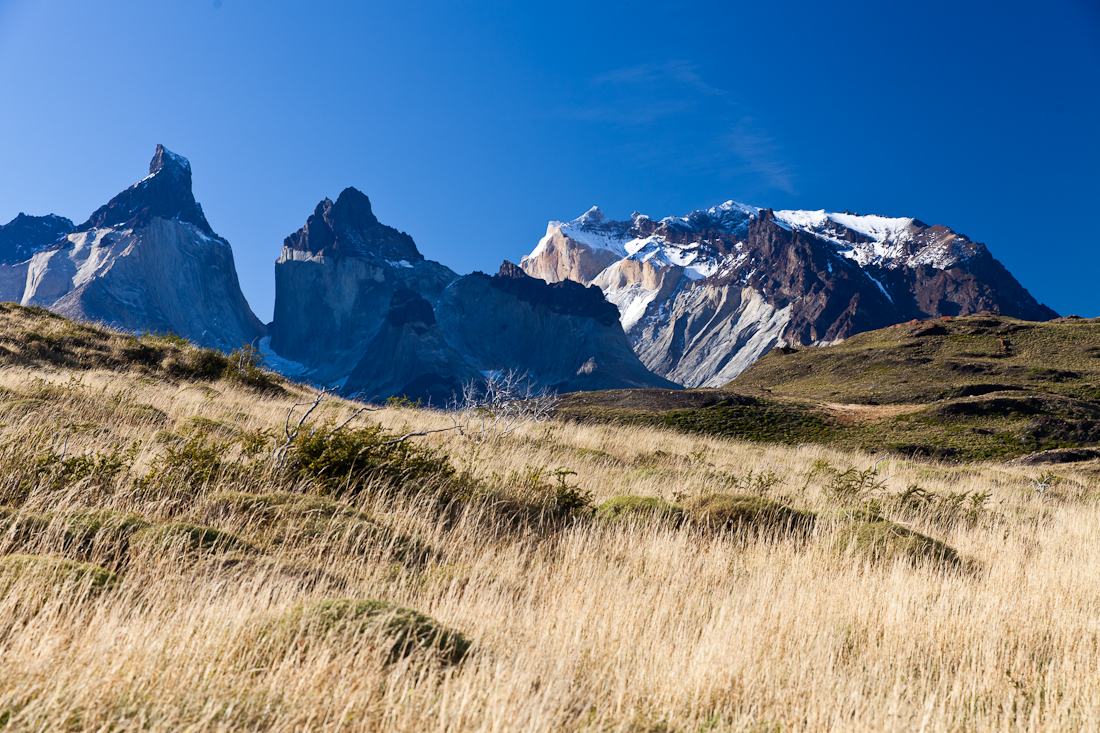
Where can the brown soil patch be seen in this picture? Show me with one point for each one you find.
(860, 414)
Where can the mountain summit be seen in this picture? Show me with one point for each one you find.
(350, 227)
(146, 260)
(165, 194)
(703, 296)
(358, 306)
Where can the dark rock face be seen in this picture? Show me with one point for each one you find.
(148, 260)
(354, 298)
(514, 322)
(165, 194)
(837, 298)
(702, 297)
(565, 297)
(409, 357)
(349, 227)
(24, 235)
(335, 280)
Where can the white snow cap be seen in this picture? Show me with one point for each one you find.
(888, 246)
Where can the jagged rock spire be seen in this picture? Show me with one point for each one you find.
(165, 193)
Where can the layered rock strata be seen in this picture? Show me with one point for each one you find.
(701, 297)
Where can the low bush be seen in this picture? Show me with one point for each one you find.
(363, 459)
(879, 540)
(185, 537)
(639, 509)
(244, 366)
(401, 631)
(56, 572)
(186, 465)
(747, 512)
(194, 363)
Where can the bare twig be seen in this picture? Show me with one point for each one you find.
(281, 450)
(361, 410)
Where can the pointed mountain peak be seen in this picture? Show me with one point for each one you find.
(352, 209)
(165, 158)
(593, 215)
(349, 227)
(164, 194)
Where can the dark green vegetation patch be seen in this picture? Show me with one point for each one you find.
(639, 509)
(402, 630)
(33, 336)
(747, 513)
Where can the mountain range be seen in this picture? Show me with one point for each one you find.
(704, 296)
(598, 304)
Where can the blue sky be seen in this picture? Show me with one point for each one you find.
(470, 125)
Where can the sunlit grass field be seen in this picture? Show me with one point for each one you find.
(161, 570)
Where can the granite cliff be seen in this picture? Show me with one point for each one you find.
(146, 260)
(358, 306)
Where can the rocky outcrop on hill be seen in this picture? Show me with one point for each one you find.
(147, 260)
(701, 297)
(409, 357)
(335, 281)
(564, 335)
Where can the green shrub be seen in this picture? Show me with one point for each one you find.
(403, 631)
(639, 509)
(941, 508)
(885, 541)
(747, 512)
(196, 363)
(187, 537)
(853, 485)
(570, 500)
(88, 533)
(57, 572)
(98, 469)
(187, 464)
(353, 461)
(244, 366)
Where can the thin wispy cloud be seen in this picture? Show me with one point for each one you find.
(669, 110)
(763, 156)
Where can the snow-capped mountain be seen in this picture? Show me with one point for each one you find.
(146, 260)
(703, 296)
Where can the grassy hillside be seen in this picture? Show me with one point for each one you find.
(170, 561)
(974, 387)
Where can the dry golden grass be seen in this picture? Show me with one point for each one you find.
(576, 625)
